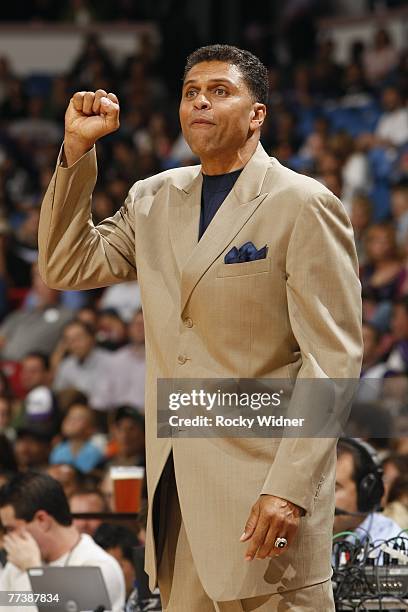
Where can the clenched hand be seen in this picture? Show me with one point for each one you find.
(89, 116)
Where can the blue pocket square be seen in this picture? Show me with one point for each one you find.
(248, 252)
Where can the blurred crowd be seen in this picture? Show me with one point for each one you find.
(73, 363)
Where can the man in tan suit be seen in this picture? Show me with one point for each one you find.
(293, 313)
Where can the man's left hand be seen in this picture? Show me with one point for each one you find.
(22, 550)
(271, 517)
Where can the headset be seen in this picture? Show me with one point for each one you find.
(370, 489)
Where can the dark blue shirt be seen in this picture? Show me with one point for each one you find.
(215, 190)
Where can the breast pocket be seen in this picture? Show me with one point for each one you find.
(247, 268)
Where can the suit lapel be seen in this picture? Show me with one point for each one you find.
(184, 218)
(193, 257)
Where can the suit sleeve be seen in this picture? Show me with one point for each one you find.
(324, 304)
(73, 252)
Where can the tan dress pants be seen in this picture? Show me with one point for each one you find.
(179, 584)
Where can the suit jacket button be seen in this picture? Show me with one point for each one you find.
(188, 322)
(181, 359)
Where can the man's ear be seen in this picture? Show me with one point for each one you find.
(258, 115)
(43, 520)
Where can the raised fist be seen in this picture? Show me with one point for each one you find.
(89, 116)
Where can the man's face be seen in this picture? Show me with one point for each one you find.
(31, 452)
(77, 423)
(346, 493)
(86, 503)
(130, 437)
(33, 373)
(216, 109)
(12, 524)
(79, 342)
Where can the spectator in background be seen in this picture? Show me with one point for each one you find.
(22, 248)
(124, 380)
(397, 362)
(128, 437)
(399, 208)
(382, 276)
(32, 448)
(35, 513)
(80, 447)
(35, 330)
(354, 167)
(111, 330)
(39, 405)
(353, 464)
(392, 128)
(119, 542)
(87, 500)
(360, 216)
(373, 369)
(86, 365)
(380, 59)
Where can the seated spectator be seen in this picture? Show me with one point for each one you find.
(397, 362)
(392, 128)
(39, 405)
(382, 276)
(86, 366)
(87, 500)
(358, 511)
(80, 447)
(381, 58)
(36, 330)
(35, 514)
(124, 381)
(111, 331)
(119, 542)
(128, 437)
(32, 448)
(399, 208)
(22, 248)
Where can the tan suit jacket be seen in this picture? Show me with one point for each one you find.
(296, 313)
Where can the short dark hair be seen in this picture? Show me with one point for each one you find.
(112, 536)
(129, 412)
(254, 73)
(85, 490)
(30, 492)
(88, 329)
(45, 360)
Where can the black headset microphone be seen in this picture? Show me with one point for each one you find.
(370, 489)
